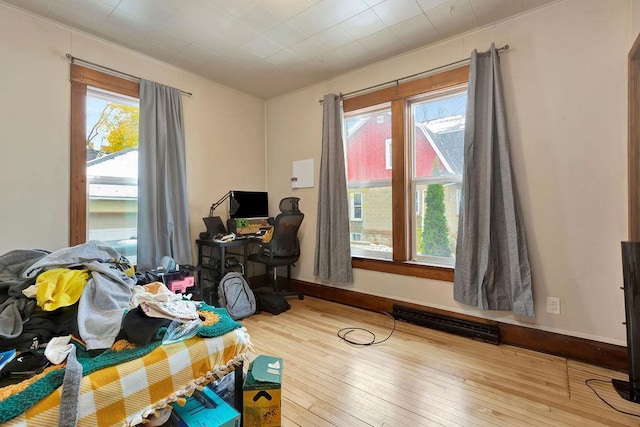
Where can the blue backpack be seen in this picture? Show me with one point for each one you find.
(236, 296)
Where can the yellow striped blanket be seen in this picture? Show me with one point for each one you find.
(125, 394)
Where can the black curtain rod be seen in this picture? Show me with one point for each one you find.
(396, 81)
(99, 67)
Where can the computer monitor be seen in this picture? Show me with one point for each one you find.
(252, 204)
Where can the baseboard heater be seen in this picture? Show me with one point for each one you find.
(466, 328)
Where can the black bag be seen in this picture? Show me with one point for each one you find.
(272, 303)
(26, 364)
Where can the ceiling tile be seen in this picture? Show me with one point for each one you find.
(160, 38)
(79, 19)
(246, 60)
(453, 17)
(332, 38)
(194, 54)
(285, 35)
(415, 32)
(306, 49)
(86, 7)
(124, 29)
(257, 17)
(363, 24)
(426, 5)
(201, 13)
(283, 58)
(230, 7)
(285, 9)
(232, 30)
(488, 11)
(94, 10)
(202, 21)
(112, 3)
(312, 20)
(392, 12)
(172, 5)
(145, 10)
(40, 7)
(340, 10)
(233, 52)
(345, 57)
(262, 47)
(373, 2)
(383, 44)
(530, 4)
(182, 29)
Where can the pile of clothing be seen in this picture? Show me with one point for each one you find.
(73, 311)
(81, 290)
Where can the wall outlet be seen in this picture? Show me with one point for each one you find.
(553, 305)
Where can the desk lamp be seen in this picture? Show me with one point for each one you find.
(233, 204)
(214, 223)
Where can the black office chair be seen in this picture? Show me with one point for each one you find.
(284, 247)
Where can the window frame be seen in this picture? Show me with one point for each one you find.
(81, 78)
(399, 96)
(353, 207)
(388, 156)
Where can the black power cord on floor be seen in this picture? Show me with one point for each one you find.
(342, 334)
(589, 380)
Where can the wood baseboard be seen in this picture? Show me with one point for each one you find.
(594, 352)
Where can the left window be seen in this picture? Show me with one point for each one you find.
(104, 166)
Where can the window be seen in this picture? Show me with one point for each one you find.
(104, 140)
(411, 215)
(387, 154)
(419, 202)
(437, 145)
(367, 173)
(356, 237)
(356, 206)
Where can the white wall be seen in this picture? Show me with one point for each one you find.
(635, 18)
(220, 124)
(565, 85)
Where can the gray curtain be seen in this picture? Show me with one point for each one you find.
(163, 211)
(492, 266)
(333, 244)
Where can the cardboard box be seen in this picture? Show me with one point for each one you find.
(205, 409)
(262, 393)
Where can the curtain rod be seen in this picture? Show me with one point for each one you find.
(99, 67)
(396, 81)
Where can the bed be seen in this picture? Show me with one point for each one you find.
(127, 393)
(114, 382)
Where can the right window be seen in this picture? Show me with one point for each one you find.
(410, 165)
(437, 151)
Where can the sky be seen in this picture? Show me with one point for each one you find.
(96, 101)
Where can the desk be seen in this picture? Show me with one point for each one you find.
(212, 268)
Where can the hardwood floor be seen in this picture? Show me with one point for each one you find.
(423, 377)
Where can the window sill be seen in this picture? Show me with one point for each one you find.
(404, 268)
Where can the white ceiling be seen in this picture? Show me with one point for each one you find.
(270, 47)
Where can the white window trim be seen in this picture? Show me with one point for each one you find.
(352, 206)
(388, 150)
